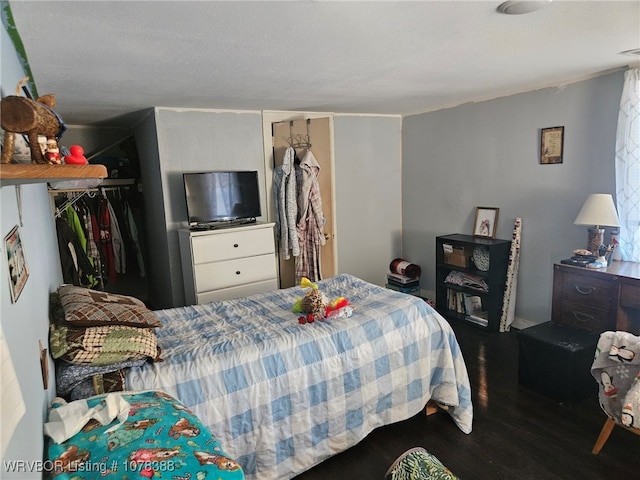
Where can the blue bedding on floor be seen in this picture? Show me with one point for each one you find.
(161, 438)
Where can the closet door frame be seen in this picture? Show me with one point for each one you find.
(269, 117)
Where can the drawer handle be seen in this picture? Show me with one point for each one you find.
(585, 290)
(582, 317)
(237, 272)
(235, 245)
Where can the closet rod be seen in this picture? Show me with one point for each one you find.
(69, 202)
(84, 190)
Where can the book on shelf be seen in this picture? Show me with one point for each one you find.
(480, 318)
(472, 304)
(468, 305)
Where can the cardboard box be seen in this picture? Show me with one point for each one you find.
(457, 255)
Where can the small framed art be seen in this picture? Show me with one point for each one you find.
(551, 145)
(486, 222)
(18, 271)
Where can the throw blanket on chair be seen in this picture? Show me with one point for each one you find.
(616, 368)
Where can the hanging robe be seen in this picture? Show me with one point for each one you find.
(310, 226)
(284, 189)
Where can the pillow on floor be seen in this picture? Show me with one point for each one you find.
(84, 307)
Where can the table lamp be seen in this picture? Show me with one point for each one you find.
(598, 211)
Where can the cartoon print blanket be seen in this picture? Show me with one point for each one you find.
(160, 438)
(616, 368)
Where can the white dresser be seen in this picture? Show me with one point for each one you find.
(228, 263)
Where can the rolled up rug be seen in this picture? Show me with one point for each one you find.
(418, 464)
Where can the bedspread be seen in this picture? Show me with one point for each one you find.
(282, 396)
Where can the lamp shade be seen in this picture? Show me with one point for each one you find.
(598, 210)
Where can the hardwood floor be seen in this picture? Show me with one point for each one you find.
(517, 434)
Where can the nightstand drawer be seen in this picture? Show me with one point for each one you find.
(581, 315)
(586, 290)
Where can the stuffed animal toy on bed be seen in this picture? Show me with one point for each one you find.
(316, 306)
(313, 303)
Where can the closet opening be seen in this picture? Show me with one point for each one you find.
(101, 237)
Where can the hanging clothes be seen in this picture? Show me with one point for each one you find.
(284, 189)
(105, 230)
(74, 222)
(92, 248)
(119, 254)
(76, 267)
(310, 225)
(106, 246)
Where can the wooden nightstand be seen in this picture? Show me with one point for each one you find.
(597, 300)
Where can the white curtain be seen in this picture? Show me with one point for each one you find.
(628, 167)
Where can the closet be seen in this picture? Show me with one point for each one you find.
(101, 236)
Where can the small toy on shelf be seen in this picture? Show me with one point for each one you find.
(52, 153)
(76, 156)
(32, 118)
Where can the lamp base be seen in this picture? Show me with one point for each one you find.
(596, 238)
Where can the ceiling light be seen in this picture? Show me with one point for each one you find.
(517, 7)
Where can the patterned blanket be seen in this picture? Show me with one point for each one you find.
(160, 438)
(616, 368)
(283, 396)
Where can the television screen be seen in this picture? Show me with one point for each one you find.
(222, 196)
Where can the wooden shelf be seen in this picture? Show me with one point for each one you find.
(16, 174)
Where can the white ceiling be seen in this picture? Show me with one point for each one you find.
(106, 59)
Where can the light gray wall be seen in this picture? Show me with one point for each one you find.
(487, 154)
(368, 180)
(26, 322)
(170, 143)
(367, 170)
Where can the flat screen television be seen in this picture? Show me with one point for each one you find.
(222, 197)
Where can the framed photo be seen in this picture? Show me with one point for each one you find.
(551, 145)
(486, 222)
(18, 271)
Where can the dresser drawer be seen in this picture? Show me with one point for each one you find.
(586, 317)
(630, 296)
(237, 292)
(587, 290)
(231, 273)
(232, 244)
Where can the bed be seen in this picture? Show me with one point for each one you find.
(283, 396)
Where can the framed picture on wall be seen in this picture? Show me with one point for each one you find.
(551, 145)
(486, 222)
(18, 271)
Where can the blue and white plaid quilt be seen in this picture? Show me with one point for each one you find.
(282, 397)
